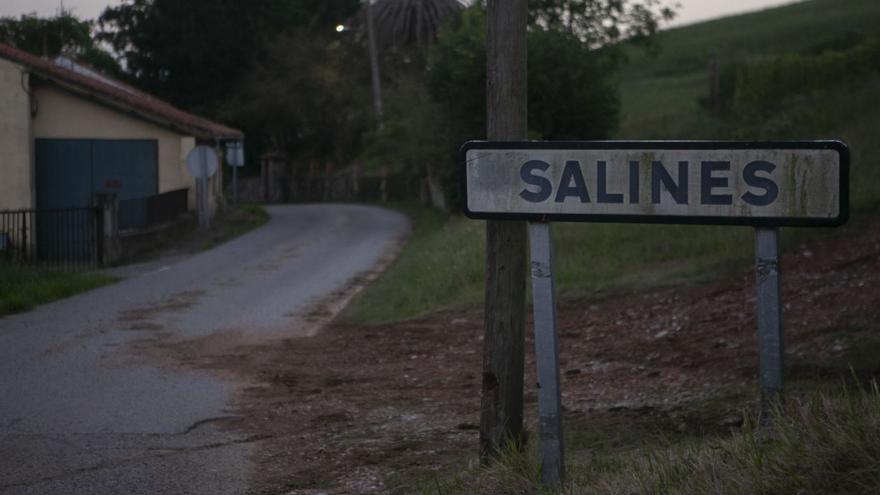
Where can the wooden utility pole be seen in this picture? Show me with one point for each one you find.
(501, 412)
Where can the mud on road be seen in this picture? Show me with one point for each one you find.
(371, 409)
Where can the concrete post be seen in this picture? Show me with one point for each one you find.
(108, 206)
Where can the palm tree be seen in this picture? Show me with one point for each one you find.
(411, 23)
(402, 25)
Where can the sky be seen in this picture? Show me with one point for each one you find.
(691, 11)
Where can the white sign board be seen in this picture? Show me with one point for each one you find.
(766, 184)
(235, 153)
(202, 162)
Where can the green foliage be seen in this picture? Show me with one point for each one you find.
(408, 23)
(442, 266)
(22, 288)
(193, 53)
(761, 85)
(602, 22)
(570, 95)
(456, 74)
(62, 34)
(660, 92)
(303, 96)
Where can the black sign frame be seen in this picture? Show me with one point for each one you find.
(839, 146)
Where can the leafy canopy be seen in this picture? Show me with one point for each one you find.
(193, 53)
(51, 37)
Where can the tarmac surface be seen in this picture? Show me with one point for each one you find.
(82, 410)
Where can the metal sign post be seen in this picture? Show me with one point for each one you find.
(235, 185)
(547, 354)
(770, 341)
(202, 163)
(764, 185)
(235, 159)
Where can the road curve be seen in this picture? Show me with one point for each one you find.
(82, 412)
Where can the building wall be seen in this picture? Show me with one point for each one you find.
(16, 164)
(65, 115)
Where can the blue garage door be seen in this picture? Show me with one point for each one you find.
(71, 171)
(128, 169)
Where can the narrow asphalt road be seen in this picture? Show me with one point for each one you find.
(82, 412)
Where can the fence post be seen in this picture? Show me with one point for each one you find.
(24, 237)
(383, 185)
(356, 180)
(328, 180)
(264, 179)
(98, 214)
(107, 223)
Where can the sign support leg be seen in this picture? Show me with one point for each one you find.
(770, 339)
(204, 220)
(235, 185)
(547, 355)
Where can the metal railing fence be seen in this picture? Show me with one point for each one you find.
(65, 239)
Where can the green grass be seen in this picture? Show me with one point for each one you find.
(443, 267)
(659, 93)
(440, 267)
(797, 27)
(824, 442)
(443, 264)
(22, 287)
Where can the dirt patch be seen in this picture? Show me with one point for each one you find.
(177, 302)
(369, 409)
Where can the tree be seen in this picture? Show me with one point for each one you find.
(579, 102)
(194, 53)
(571, 95)
(602, 22)
(50, 37)
(400, 30)
(303, 97)
(411, 23)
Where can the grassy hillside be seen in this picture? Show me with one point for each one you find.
(659, 91)
(443, 267)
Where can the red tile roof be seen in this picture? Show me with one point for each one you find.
(121, 96)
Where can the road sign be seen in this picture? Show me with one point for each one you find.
(235, 153)
(235, 159)
(743, 183)
(766, 185)
(202, 162)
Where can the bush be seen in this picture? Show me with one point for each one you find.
(761, 85)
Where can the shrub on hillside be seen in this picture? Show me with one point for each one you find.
(762, 84)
